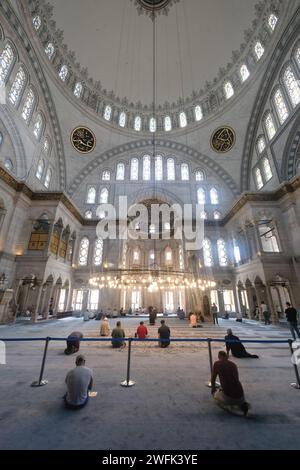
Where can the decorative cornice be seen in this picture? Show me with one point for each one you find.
(211, 98)
(8, 12)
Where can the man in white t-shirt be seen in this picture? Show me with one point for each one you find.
(266, 313)
(79, 381)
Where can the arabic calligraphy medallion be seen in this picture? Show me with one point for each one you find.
(223, 139)
(83, 140)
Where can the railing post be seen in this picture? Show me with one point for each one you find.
(41, 382)
(209, 340)
(297, 384)
(128, 382)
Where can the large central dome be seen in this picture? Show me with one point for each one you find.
(115, 43)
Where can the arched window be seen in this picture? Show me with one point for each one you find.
(151, 256)
(272, 21)
(182, 119)
(38, 127)
(63, 73)
(98, 252)
(28, 105)
(37, 22)
(270, 126)
(17, 87)
(281, 107)
(146, 168)
(91, 195)
(8, 164)
(198, 112)
(120, 176)
(88, 215)
(48, 178)
(244, 71)
(259, 50)
(203, 215)
(207, 253)
(84, 251)
(168, 255)
(222, 252)
(136, 257)
(40, 169)
(236, 252)
(267, 168)
(107, 112)
(49, 50)
(46, 146)
(214, 196)
(199, 175)
(106, 175)
(152, 229)
(134, 169)
(158, 168)
(261, 144)
(122, 119)
(201, 196)
(268, 237)
(185, 173)
(168, 124)
(217, 215)
(104, 196)
(152, 125)
(138, 123)
(6, 62)
(228, 90)
(170, 169)
(258, 178)
(292, 85)
(78, 89)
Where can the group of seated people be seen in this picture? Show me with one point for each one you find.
(141, 333)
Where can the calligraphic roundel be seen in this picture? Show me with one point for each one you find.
(223, 139)
(83, 140)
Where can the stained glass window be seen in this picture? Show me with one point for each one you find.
(268, 237)
(17, 87)
(198, 113)
(258, 178)
(152, 124)
(170, 169)
(244, 71)
(267, 168)
(88, 215)
(120, 176)
(259, 50)
(91, 196)
(292, 85)
(40, 169)
(137, 123)
(270, 126)
(6, 61)
(49, 50)
(281, 106)
(106, 175)
(63, 73)
(214, 196)
(228, 89)
(158, 168)
(136, 255)
(134, 169)
(201, 196)
(272, 21)
(146, 168)
(261, 144)
(104, 196)
(8, 164)
(222, 252)
(199, 175)
(107, 113)
(28, 105)
(48, 178)
(84, 251)
(122, 119)
(185, 174)
(38, 127)
(182, 119)
(46, 146)
(78, 89)
(98, 252)
(207, 253)
(37, 22)
(168, 255)
(168, 124)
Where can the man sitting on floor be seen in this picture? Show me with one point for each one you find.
(79, 381)
(231, 392)
(237, 348)
(73, 342)
(118, 333)
(164, 334)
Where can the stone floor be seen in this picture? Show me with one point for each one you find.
(169, 407)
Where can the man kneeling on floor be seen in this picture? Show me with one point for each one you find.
(73, 342)
(231, 392)
(79, 381)
(236, 347)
